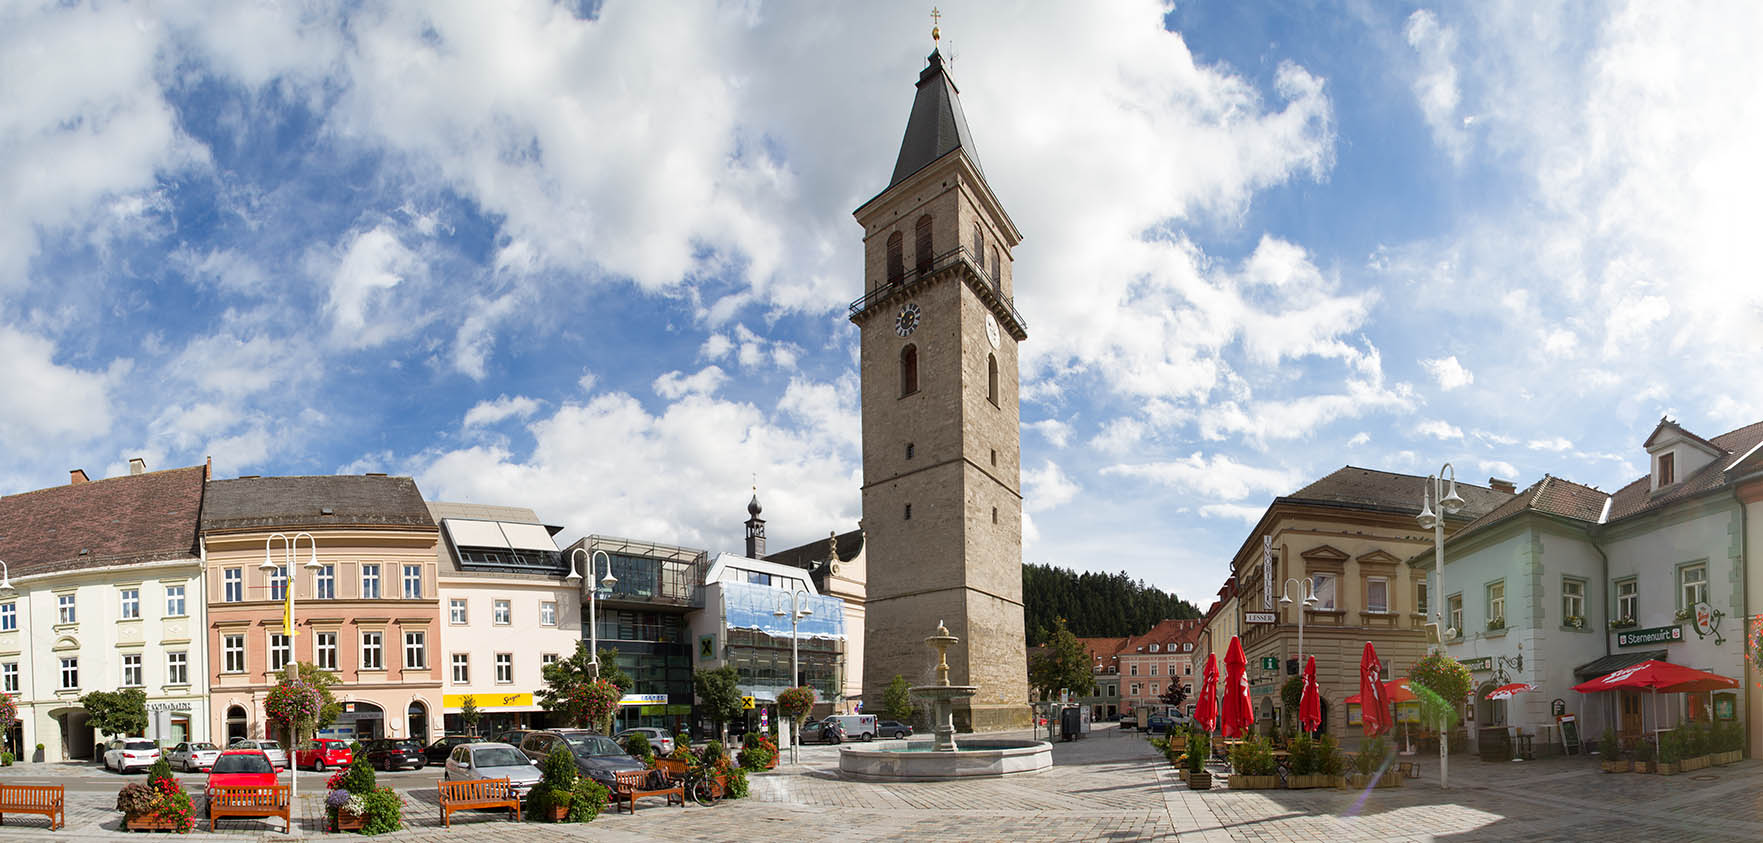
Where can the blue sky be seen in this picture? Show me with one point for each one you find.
(594, 258)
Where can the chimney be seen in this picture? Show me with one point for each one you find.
(137, 466)
(1499, 485)
(77, 476)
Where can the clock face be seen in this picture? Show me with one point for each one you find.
(907, 321)
(992, 331)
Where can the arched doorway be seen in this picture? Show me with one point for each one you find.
(77, 740)
(238, 726)
(418, 718)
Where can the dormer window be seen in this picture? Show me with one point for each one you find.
(1153, 648)
(1667, 474)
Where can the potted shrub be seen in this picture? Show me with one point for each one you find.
(552, 797)
(1198, 747)
(1306, 763)
(1329, 761)
(1670, 753)
(1611, 754)
(346, 805)
(1252, 766)
(1693, 749)
(1371, 767)
(1643, 756)
(158, 805)
(758, 752)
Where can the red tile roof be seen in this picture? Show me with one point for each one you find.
(1637, 498)
(1170, 632)
(123, 520)
(1550, 495)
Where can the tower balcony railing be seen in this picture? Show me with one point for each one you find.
(988, 286)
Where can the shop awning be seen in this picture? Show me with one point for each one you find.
(1612, 663)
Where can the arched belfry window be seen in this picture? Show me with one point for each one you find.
(908, 370)
(997, 271)
(979, 245)
(896, 257)
(992, 379)
(921, 234)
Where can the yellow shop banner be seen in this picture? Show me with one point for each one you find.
(488, 700)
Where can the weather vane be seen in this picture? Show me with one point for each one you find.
(936, 17)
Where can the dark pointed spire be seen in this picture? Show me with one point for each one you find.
(937, 126)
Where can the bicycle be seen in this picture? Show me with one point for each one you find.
(700, 784)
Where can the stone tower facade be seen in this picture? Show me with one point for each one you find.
(942, 499)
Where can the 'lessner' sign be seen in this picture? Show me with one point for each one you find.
(1650, 635)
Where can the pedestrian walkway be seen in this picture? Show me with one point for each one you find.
(1109, 786)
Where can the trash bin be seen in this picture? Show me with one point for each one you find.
(1069, 722)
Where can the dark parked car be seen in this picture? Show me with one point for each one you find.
(512, 737)
(596, 756)
(1157, 724)
(438, 751)
(395, 754)
(893, 729)
(823, 731)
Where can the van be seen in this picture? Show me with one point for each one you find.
(858, 727)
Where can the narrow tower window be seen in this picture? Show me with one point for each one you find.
(908, 450)
(992, 379)
(921, 234)
(908, 370)
(979, 245)
(896, 257)
(994, 515)
(997, 271)
(909, 512)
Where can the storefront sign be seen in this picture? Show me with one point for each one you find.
(643, 699)
(1479, 664)
(706, 648)
(168, 706)
(1724, 706)
(1708, 622)
(1259, 617)
(1262, 690)
(1266, 573)
(1650, 635)
(1270, 662)
(490, 700)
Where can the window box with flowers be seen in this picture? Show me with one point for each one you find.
(1624, 623)
(1496, 624)
(1575, 622)
(1684, 614)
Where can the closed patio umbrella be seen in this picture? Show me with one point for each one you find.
(1375, 706)
(1206, 707)
(1310, 704)
(1239, 713)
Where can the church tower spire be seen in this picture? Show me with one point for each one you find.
(942, 502)
(755, 528)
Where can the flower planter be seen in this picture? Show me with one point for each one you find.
(349, 821)
(1614, 766)
(557, 814)
(1241, 782)
(1668, 768)
(1644, 766)
(150, 822)
(1182, 772)
(1296, 782)
(1691, 764)
(1200, 781)
(1360, 781)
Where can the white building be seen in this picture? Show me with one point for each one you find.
(507, 609)
(107, 580)
(746, 622)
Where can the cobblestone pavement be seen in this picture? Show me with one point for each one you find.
(1108, 787)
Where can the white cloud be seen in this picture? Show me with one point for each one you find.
(1046, 488)
(716, 347)
(1358, 439)
(44, 401)
(1449, 373)
(1220, 477)
(1056, 432)
(1231, 511)
(1438, 429)
(1435, 84)
(703, 382)
(504, 407)
(1557, 444)
(363, 309)
(1491, 438)
(1499, 468)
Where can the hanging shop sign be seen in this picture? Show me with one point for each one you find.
(1479, 664)
(1650, 635)
(1266, 573)
(1708, 622)
(1259, 617)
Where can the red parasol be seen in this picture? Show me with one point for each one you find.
(1239, 714)
(1206, 707)
(1310, 705)
(1506, 692)
(1375, 708)
(1659, 676)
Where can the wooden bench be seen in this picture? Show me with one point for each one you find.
(254, 802)
(477, 794)
(634, 784)
(46, 800)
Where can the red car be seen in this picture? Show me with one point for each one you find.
(322, 753)
(242, 768)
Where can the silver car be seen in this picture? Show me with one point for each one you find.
(193, 757)
(277, 756)
(125, 754)
(470, 761)
(659, 739)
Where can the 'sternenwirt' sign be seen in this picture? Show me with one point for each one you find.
(1650, 635)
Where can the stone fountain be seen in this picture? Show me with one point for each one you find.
(939, 758)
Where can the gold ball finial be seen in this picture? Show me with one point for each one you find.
(936, 17)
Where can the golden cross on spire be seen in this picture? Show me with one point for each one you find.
(936, 17)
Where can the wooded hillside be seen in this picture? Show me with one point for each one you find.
(1093, 605)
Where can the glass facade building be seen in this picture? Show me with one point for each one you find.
(643, 617)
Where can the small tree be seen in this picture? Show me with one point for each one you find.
(574, 689)
(469, 714)
(116, 712)
(1063, 666)
(611, 672)
(1291, 694)
(1174, 695)
(719, 693)
(897, 700)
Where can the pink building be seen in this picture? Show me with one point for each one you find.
(1148, 663)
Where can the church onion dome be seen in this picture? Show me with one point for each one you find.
(753, 507)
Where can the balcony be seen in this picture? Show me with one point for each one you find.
(978, 279)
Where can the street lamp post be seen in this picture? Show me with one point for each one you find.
(1306, 594)
(291, 669)
(5, 576)
(796, 613)
(1449, 504)
(608, 582)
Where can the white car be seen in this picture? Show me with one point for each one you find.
(277, 756)
(125, 754)
(470, 761)
(659, 739)
(193, 757)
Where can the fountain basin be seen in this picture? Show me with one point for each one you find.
(918, 761)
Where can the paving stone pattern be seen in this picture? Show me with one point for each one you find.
(1108, 787)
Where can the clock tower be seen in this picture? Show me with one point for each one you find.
(942, 499)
